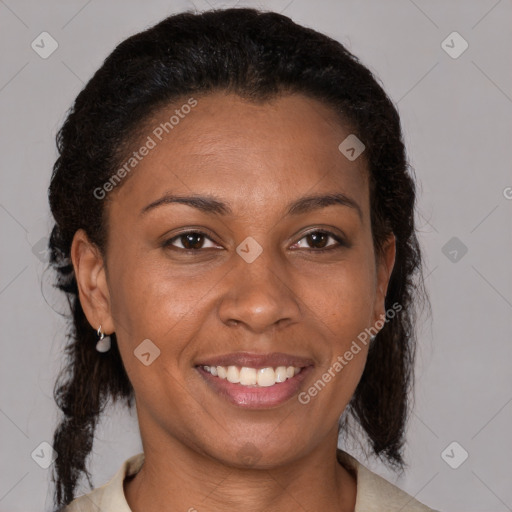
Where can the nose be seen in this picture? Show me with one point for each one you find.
(260, 295)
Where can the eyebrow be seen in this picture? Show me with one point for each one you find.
(212, 205)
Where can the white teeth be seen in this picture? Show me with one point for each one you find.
(281, 374)
(233, 375)
(262, 377)
(266, 377)
(247, 376)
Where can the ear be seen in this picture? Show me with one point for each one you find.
(92, 282)
(385, 264)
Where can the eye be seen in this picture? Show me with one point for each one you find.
(194, 241)
(319, 238)
(189, 240)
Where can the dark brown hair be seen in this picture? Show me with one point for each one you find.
(256, 55)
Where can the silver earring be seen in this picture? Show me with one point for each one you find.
(372, 338)
(103, 344)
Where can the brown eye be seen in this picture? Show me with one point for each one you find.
(192, 241)
(189, 241)
(318, 241)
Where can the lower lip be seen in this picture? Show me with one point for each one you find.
(255, 397)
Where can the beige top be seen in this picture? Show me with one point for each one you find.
(374, 493)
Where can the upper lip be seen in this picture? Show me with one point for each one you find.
(252, 360)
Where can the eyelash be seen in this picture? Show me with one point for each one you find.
(340, 242)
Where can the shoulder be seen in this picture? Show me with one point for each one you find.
(110, 496)
(375, 493)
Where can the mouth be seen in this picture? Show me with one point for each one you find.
(253, 380)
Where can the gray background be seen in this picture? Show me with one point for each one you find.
(456, 114)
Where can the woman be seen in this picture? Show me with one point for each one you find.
(234, 228)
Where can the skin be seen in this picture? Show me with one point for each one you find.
(291, 299)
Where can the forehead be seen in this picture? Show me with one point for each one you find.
(245, 152)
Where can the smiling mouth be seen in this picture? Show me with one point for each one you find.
(253, 377)
(256, 388)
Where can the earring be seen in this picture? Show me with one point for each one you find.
(103, 344)
(372, 338)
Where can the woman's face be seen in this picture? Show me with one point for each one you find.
(253, 289)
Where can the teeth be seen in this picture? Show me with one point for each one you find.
(247, 376)
(280, 373)
(262, 377)
(233, 375)
(266, 377)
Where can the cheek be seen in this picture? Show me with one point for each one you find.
(344, 304)
(345, 295)
(152, 301)
(148, 305)
(148, 299)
